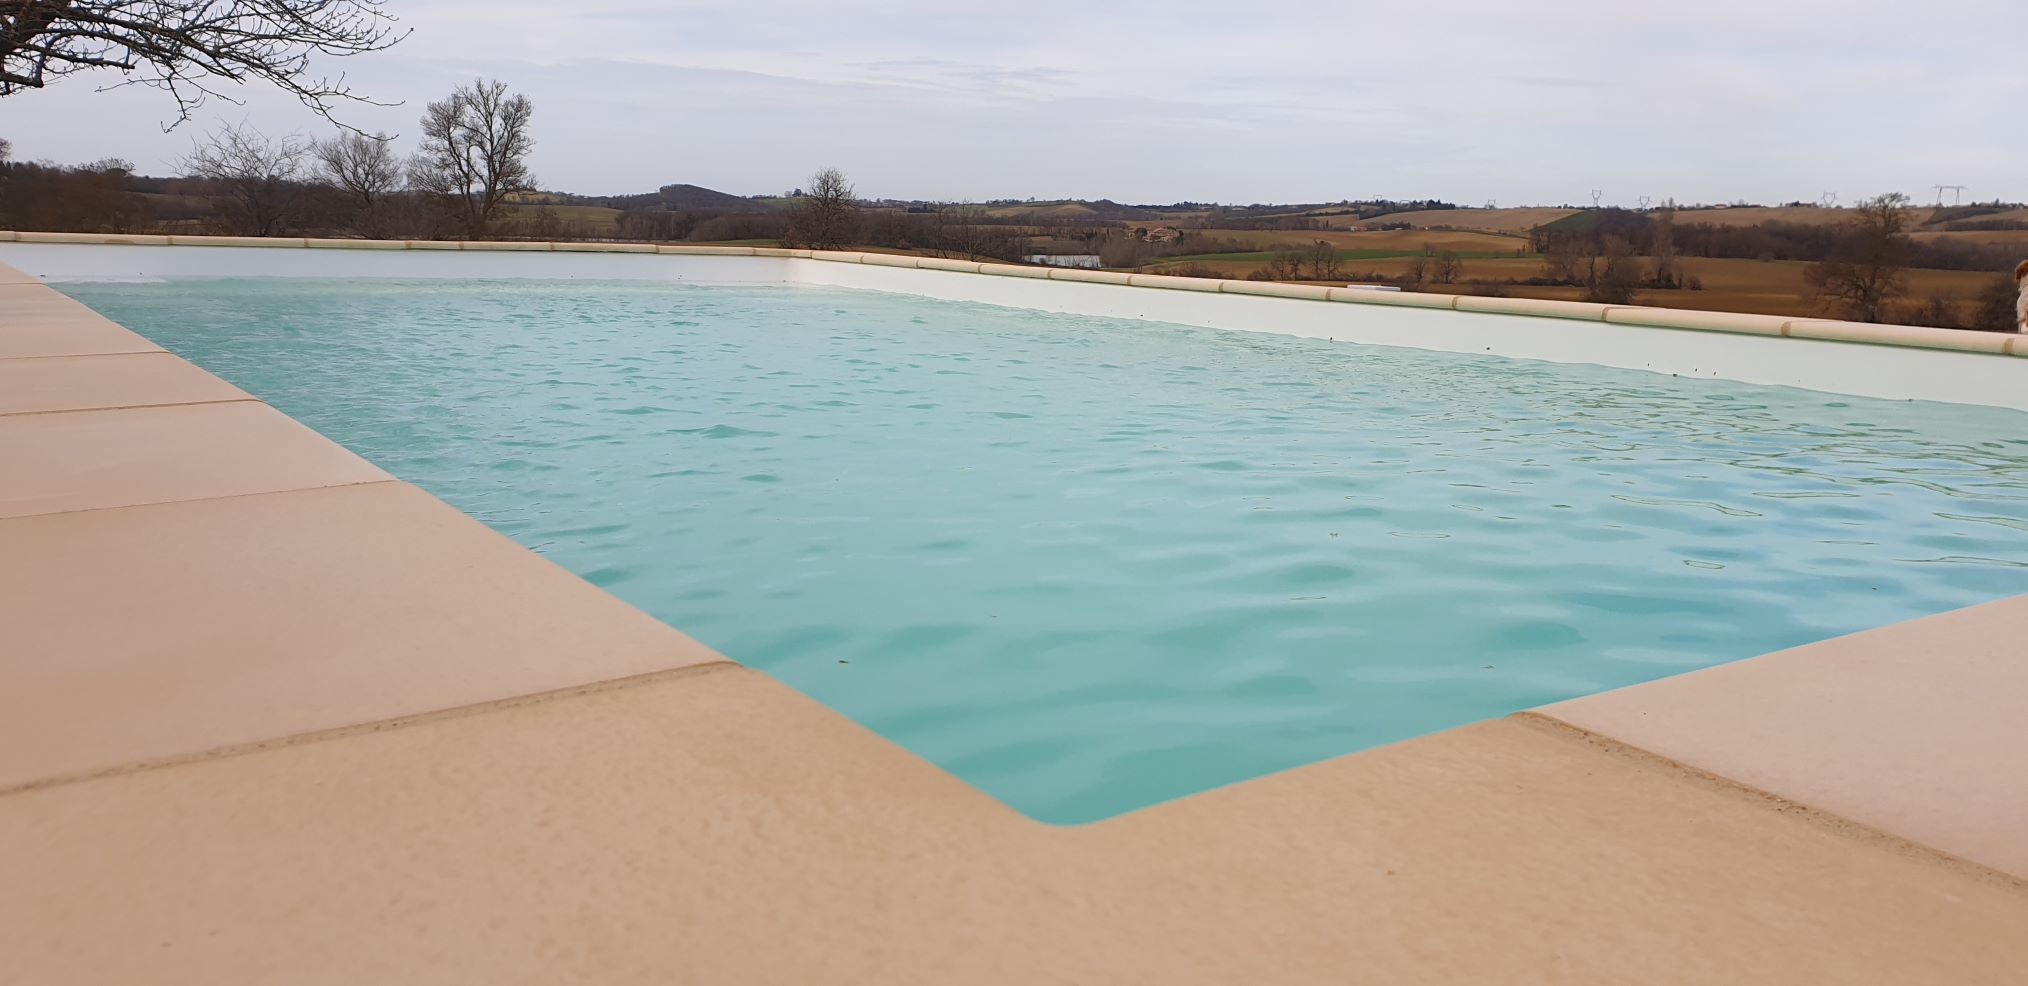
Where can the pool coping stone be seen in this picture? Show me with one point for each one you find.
(268, 699)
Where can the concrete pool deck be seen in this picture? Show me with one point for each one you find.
(269, 715)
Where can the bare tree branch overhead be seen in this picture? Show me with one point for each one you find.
(192, 49)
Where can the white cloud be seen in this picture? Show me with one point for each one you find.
(1469, 100)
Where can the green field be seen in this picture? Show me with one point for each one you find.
(1262, 256)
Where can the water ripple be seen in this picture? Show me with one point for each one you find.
(1090, 564)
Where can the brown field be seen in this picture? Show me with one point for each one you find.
(1061, 210)
(1807, 215)
(1772, 288)
(2006, 237)
(567, 213)
(1501, 220)
(185, 203)
(1463, 241)
(596, 220)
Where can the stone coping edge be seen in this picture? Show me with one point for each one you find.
(1783, 796)
(1738, 323)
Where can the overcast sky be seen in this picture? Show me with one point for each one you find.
(1467, 100)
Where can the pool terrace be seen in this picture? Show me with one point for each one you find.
(269, 714)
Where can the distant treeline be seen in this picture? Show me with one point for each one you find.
(1767, 241)
(108, 197)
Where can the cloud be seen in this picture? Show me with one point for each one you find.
(1713, 100)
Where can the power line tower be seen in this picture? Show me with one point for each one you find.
(1828, 200)
(1596, 194)
(1957, 194)
(1645, 201)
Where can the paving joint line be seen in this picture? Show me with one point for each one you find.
(1827, 821)
(289, 740)
(131, 407)
(206, 499)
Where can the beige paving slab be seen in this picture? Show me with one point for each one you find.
(9, 275)
(712, 826)
(37, 320)
(151, 633)
(79, 383)
(86, 460)
(1917, 728)
(1514, 852)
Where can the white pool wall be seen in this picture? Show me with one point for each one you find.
(1896, 362)
(1858, 369)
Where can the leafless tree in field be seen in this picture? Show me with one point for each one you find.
(1115, 252)
(1664, 247)
(1864, 275)
(1418, 271)
(1416, 274)
(1447, 268)
(1995, 307)
(88, 198)
(1612, 272)
(826, 214)
(260, 175)
(191, 49)
(1324, 262)
(1940, 311)
(1284, 265)
(962, 231)
(1560, 256)
(365, 171)
(475, 147)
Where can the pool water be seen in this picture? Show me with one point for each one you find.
(1090, 564)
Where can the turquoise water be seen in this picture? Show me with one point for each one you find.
(1090, 564)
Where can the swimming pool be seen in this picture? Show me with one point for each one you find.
(1090, 564)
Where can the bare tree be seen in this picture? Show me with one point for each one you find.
(1864, 274)
(545, 224)
(1940, 311)
(1612, 272)
(1418, 271)
(261, 176)
(475, 147)
(826, 214)
(191, 49)
(1663, 247)
(962, 231)
(89, 198)
(1996, 306)
(365, 171)
(1447, 268)
(1560, 255)
(1114, 251)
(1324, 261)
(1284, 265)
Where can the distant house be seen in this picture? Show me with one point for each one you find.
(1164, 234)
